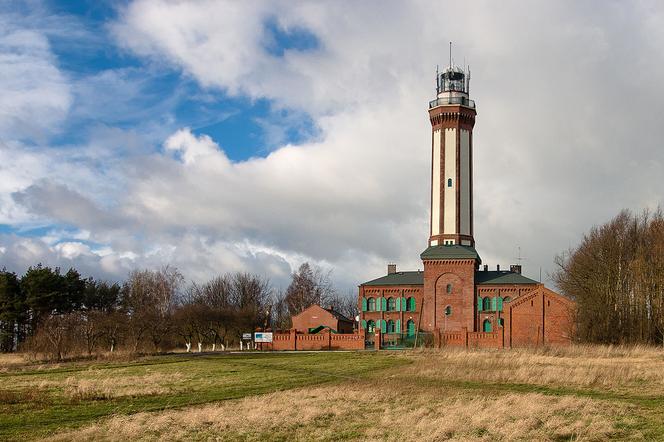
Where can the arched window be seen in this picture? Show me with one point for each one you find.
(371, 304)
(391, 304)
(383, 325)
(390, 326)
(449, 289)
(371, 326)
(448, 310)
(499, 302)
(486, 304)
(410, 327)
(449, 182)
(411, 305)
(479, 303)
(486, 326)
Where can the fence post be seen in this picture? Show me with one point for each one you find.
(293, 338)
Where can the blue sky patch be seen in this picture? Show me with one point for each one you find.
(279, 40)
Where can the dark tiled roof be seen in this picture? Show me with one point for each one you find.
(501, 277)
(338, 315)
(450, 252)
(399, 278)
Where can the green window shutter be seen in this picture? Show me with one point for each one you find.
(411, 327)
(398, 327)
(378, 304)
(364, 324)
(404, 307)
(364, 304)
(398, 301)
(384, 301)
(494, 304)
(500, 304)
(479, 303)
(413, 306)
(383, 326)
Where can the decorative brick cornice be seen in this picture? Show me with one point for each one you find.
(450, 261)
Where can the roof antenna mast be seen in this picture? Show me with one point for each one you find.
(450, 55)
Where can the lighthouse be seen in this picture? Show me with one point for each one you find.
(455, 298)
(452, 116)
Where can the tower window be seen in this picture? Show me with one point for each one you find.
(449, 182)
(449, 289)
(448, 310)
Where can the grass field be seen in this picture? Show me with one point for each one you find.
(581, 393)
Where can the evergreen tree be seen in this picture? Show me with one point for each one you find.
(12, 311)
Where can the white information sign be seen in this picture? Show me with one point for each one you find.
(246, 336)
(263, 337)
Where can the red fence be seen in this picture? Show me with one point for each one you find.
(464, 338)
(324, 340)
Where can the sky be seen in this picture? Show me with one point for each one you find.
(224, 136)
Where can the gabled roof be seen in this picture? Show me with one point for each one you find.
(337, 315)
(501, 277)
(399, 278)
(455, 251)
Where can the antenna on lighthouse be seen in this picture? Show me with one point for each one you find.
(450, 55)
(437, 81)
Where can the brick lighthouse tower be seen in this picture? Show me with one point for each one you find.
(452, 116)
(450, 260)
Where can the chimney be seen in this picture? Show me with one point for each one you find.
(486, 267)
(391, 269)
(498, 267)
(515, 268)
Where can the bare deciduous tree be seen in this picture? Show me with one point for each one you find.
(310, 285)
(616, 276)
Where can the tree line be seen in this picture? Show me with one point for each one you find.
(54, 314)
(616, 276)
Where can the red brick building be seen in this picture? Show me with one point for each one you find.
(454, 297)
(315, 318)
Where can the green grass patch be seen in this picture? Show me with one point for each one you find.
(45, 401)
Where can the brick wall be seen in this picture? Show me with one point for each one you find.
(437, 275)
(377, 292)
(324, 340)
(485, 340)
(315, 316)
(541, 317)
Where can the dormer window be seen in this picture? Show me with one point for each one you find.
(449, 182)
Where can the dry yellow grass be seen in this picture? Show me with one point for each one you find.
(616, 369)
(322, 413)
(397, 405)
(9, 361)
(101, 384)
(97, 386)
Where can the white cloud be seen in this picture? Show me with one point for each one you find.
(34, 94)
(71, 250)
(567, 134)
